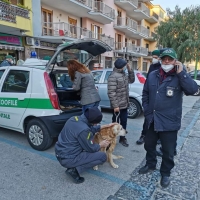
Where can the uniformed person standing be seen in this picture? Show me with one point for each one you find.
(75, 149)
(162, 102)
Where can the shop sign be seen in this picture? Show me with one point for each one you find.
(48, 45)
(10, 39)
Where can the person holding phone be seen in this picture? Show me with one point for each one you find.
(162, 102)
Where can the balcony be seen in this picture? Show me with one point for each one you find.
(102, 13)
(151, 37)
(130, 49)
(127, 5)
(57, 31)
(143, 32)
(142, 12)
(126, 25)
(12, 16)
(95, 10)
(154, 18)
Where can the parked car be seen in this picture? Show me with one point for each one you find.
(192, 73)
(32, 98)
(197, 93)
(135, 91)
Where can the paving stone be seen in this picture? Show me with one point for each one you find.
(185, 176)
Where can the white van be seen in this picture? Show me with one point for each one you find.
(33, 99)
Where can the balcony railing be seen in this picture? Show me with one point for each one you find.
(104, 9)
(9, 12)
(143, 30)
(68, 30)
(134, 2)
(126, 22)
(152, 34)
(144, 51)
(130, 48)
(144, 9)
(155, 15)
(87, 3)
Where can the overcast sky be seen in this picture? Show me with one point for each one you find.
(172, 3)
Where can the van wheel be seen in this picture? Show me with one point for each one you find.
(38, 135)
(134, 109)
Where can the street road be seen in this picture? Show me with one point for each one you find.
(27, 174)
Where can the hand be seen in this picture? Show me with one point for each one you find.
(116, 109)
(179, 66)
(104, 143)
(128, 66)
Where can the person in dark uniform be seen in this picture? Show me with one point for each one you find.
(75, 149)
(162, 102)
(154, 66)
(9, 61)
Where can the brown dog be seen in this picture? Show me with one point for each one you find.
(110, 134)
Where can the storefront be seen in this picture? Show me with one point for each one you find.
(42, 48)
(11, 45)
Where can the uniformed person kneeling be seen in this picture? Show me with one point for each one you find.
(75, 149)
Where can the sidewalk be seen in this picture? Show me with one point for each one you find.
(185, 177)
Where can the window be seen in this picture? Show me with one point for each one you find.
(97, 76)
(73, 27)
(161, 14)
(16, 81)
(147, 45)
(106, 76)
(1, 73)
(47, 16)
(144, 68)
(97, 31)
(20, 2)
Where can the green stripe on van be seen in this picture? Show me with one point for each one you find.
(26, 103)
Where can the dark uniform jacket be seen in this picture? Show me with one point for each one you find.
(153, 67)
(76, 137)
(118, 88)
(162, 103)
(5, 63)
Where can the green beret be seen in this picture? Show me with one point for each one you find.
(156, 52)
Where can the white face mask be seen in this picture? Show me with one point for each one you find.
(154, 60)
(11, 62)
(167, 68)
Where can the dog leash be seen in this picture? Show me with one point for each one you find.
(116, 116)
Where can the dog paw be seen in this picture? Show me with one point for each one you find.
(95, 168)
(115, 166)
(120, 157)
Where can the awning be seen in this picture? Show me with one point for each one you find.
(10, 47)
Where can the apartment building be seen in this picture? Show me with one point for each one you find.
(156, 15)
(15, 22)
(123, 24)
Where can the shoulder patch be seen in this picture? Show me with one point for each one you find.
(88, 137)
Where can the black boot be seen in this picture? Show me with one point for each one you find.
(146, 169)
(74, 175)
(123, 141)
(141, 140)
(165, 181)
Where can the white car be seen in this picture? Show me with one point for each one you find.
(135, 91)
(198, 83)
(32, 99)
